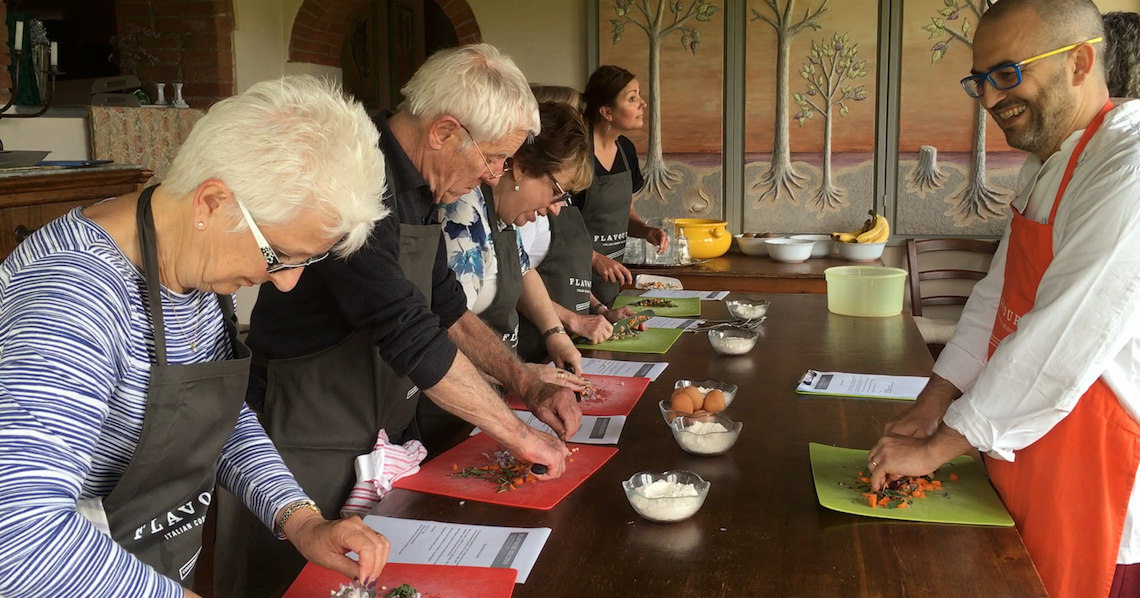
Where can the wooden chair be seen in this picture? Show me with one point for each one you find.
(937, 332)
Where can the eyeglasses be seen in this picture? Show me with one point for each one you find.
(490, 171)
(561, 196)
(1009, 76)
(272, 262)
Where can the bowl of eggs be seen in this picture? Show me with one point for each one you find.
(710, 384)
(707, 435)
(689, 400)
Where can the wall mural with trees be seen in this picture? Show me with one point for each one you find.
(810, 90)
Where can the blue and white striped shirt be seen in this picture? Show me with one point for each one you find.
(76, 346)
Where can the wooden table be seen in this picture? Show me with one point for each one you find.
(735, 271)
(761, 531)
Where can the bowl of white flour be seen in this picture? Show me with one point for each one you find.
(666, 497)
(707, 434)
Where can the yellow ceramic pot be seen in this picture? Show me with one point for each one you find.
(707, 238)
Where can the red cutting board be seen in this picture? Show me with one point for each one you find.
(432, 581)
(613, 395)
(435, 477)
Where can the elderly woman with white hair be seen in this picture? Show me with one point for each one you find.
(124, 380)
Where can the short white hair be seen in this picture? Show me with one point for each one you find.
(477, 85)
(285, 147)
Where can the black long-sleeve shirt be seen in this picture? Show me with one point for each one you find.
(368, 290)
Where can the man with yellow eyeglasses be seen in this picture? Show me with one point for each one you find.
(1043, 373)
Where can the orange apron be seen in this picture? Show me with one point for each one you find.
(1069, 491)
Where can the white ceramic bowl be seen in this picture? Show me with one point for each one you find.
(707, 444)
(752, 246)
(789, 251)
(861, 252)
(665, 509)
(824, 244)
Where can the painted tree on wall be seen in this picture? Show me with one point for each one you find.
(658, 25)
(978, 201)
(830, 66)
(780, 177)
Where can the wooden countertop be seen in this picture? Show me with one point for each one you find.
(761, 532)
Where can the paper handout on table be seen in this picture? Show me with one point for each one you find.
(624, 369)
(595, 429)
(436, 543)
(704, 295)
(867, 386)
(673, 323)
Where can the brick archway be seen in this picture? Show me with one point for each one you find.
(321, 26)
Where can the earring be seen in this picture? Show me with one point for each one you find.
(201, 225)
(607, 127)
(516, 187)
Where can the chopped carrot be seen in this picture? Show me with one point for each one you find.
(495, 467)
(953, 477)
(883, 501)
(530, 477)
(865, 480)
(918, 494)
(571, 460)
(871, 500)
(903, 505)
(454, 467)
(862, 473)
(517, 482)
(937, 484)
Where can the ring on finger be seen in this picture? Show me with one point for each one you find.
(874, 463)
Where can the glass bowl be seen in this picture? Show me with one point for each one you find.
(733, 341)
(646, 498)
(747, 309)
(667, 413)
(707, 444)
(705, 386)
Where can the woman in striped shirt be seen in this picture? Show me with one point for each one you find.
(121, 377)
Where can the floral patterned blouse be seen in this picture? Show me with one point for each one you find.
(470, 250)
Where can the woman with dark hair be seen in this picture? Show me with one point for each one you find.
(614, 107)
(482, 239)
(1122, 56)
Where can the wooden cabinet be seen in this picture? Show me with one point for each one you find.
(31, 198)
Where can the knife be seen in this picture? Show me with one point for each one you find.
(625, 324)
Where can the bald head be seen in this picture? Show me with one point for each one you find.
(1054, 23)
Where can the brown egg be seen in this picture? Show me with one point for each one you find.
(714, 401)
(681, 402)
(696, 396)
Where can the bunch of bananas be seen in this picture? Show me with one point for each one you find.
(875, 230)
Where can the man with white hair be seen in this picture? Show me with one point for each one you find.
(344, 355)
(1043, 372)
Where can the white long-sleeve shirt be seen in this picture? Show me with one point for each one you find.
(1085, 323)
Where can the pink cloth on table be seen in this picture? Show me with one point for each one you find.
(378, 470)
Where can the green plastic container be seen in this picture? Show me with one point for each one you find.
(865, 291)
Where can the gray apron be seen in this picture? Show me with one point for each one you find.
(158, 506)
(566, 273)
(322, 411)
(502, 315)
(606, 213)
(438, 428)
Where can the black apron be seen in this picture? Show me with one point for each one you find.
(438, 429)
(157, 508)
(322, 411)
(606, 213)
(502, 315)
(566, 272)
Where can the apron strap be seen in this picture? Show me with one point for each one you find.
(149, 248)
(1093, 127)
(489, 201)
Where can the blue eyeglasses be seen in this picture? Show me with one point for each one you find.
(1009, 76)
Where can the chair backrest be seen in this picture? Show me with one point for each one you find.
(917, 273)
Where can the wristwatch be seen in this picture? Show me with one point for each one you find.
(279, 527)
(553, 331)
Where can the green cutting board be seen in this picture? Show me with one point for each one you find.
(654, 340)
(970, 500)
(686, 308)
